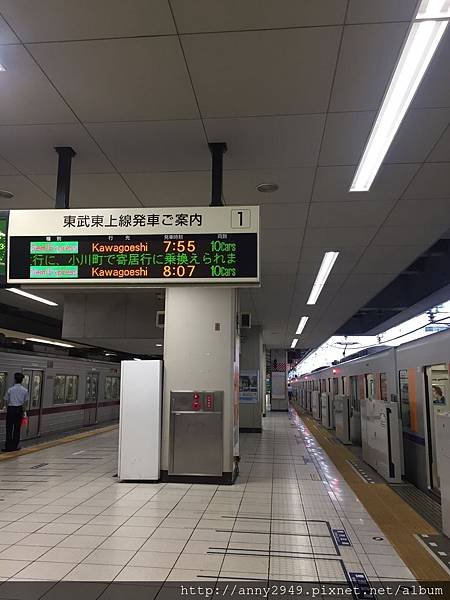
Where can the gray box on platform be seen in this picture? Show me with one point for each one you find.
(196, 432)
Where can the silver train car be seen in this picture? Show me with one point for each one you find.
(64, 393)
(416, 375)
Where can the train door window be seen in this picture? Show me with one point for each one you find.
(59, 389)
(437, 393)
(353, 392)
(115, 388)
(71, 395)
(3, 384)
(342, 385)
(370, 383)
(335, 386)
(107, 388)
(36, 389)
(404, 398)
(383, 387)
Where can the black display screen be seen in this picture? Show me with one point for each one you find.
(132, 258)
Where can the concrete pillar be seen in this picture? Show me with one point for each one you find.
(279, 380)
(251, 405)
(201, 353)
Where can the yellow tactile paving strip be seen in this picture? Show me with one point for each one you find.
(396, 519)
(51, 443)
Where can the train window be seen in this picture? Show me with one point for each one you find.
(65, 389)
(112, 388)
(3, 383)
(370, 386)
(335, 386)
(404, 398)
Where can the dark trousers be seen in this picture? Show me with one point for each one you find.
(14, 415)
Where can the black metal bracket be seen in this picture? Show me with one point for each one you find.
(65, 155)
(217, 149)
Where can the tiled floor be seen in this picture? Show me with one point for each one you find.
(63, 516)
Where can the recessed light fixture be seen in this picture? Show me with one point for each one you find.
(423, 39)
(301, 325)
(40, 341)
(6, 194)
(267, 188)
(20, 292)
(324, 271)
(294, 343)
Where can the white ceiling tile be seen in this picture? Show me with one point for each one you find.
(276, 246)
(262, 72)
(388, 259)
(338, 237)
(234, 15)
(367, 58)
(55, 20)
(432, 181)
(271, 142)
(418, 134)
(349, 214)
(345, 137)
(284, 216)
(420, 213)
(294, 185)
(7, 36)
(26, 194)
(434, 90)
(441, 152)
(6, 168)
(278, 268)
(404, 236)
(154, 145)
(26, 96)
(120, 79)
(370, 11)
(177, 188)
(332, 184)
(99, 190)
(31, 148)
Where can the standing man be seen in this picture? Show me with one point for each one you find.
(16, 399)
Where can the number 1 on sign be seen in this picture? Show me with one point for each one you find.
(240, 219)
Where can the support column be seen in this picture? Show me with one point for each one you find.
(65, 155)
(250, 404)
(279, 380)
(201, 353)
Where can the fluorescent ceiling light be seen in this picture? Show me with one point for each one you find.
(434, 9)
(420, 46)
(2, 67)
(31, 296)
(158, 345)
(294, 342)
(325, 269)
(64, 345)
(301, 325)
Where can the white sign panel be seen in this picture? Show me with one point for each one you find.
(138, 245)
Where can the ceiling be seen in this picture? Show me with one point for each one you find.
(139, 88)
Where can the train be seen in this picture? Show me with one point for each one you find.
(65, 393)
(414, 375)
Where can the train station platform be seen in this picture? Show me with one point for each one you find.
(295, 514)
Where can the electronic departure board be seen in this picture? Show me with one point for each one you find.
(124, 249)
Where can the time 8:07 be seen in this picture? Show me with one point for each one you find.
(179, 246)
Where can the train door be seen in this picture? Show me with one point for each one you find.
(437, 400)
(91, 399)
(32, 380)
